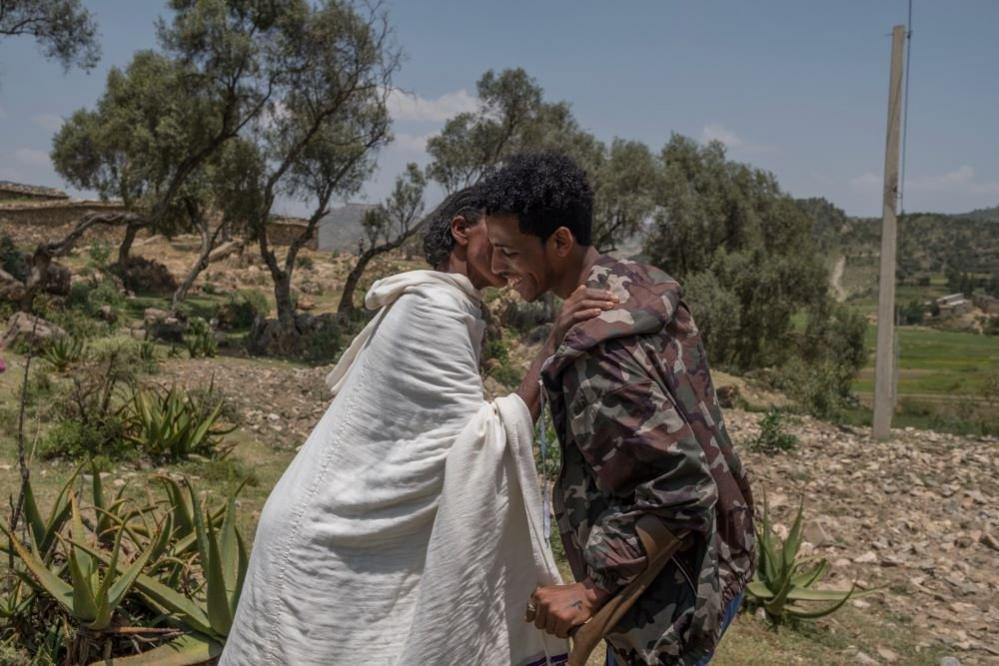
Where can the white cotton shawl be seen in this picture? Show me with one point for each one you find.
(407, 529)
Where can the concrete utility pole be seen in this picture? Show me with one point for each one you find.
(884, 370)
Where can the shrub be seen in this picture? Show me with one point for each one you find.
(304, 261)
(148, 276)
(242, 308)
(912, 313)
(90, 295)
(325, 342)
(525, 317)
(75, 440)
(88, 415)
(821, 388)
(200, 339)
(773, 437)
(99, 254)
(12, 260)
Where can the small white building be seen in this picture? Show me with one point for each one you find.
(953, 305)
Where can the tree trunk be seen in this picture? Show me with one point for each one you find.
(209, 241)
(282, 297)
(346, 305)
(131, 230)
(40, 262)
(185, 286)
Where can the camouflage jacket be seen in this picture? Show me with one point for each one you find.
(641, 432)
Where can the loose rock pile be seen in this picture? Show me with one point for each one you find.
(918, 515)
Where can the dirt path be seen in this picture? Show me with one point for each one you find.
(836, 280)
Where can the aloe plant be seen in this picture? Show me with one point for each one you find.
(784, 583)
(173, 424)
(91, 596)
(62, 351)
(90, 559)
(201, 339)
(224, 559)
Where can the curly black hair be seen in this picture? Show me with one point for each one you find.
(545, 191)
(438, 241)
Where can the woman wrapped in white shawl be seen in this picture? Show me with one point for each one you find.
(407, 529)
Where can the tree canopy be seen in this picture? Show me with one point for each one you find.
(63, 29)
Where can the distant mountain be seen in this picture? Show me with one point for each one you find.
(341, 229)
(991, 214)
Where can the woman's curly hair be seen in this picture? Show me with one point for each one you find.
(438, 241)
(545, 191)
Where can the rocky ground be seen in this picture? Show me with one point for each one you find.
(916, 516)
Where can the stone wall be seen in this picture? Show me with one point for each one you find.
(283, 231)
(19, 192)
(33, 222)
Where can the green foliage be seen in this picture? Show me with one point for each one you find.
(304, 262)
(241, 309)
(774, 437)
(325, 343)
(88, 418)
(89, 296)
(12, 260)
(200, 339)
(817, 386)
(728, 229)
(912, 313)
(74, 440)
(62, 351)
(97, 564)
(525, 317)
(172, 424)
(784, 583)
(99, 254)
(64, 30)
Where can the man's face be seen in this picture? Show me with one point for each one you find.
(518, 258)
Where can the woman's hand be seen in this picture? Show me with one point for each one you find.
(585, 303)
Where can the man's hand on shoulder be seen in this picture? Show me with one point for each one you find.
(558, 608)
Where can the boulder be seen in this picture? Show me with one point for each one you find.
(58, 279)
(11, 289)
(25, 329)
(107, 313)
(162, 325)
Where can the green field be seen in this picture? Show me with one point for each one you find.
(932, 363)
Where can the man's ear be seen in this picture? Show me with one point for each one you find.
(562, 241)
(459, 229)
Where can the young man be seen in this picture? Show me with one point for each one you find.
(640, 427)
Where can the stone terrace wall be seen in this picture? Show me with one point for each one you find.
(33, 222)
(282, 231)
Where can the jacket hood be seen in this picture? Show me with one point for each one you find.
(647, 302)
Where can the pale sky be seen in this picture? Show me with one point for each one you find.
(797, 87)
